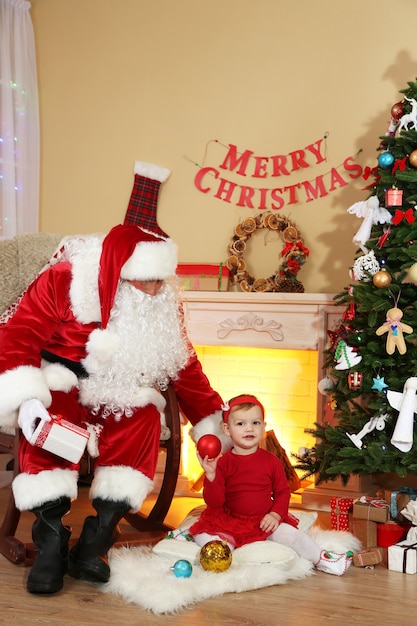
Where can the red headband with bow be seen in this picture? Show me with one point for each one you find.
(241, 400)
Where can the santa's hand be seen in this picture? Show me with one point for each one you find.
(31, 413)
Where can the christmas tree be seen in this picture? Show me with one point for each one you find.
(371, 356)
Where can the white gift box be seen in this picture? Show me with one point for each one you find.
(402, 557)
(61, 438)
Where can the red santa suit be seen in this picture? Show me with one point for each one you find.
(55, 349)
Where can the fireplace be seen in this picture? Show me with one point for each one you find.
(238, 334)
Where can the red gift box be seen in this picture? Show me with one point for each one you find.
(203, 277)
(339, 513)
(390, 533)
(394, 197)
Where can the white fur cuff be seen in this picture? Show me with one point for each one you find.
(211, 425)
(121, 483)
(18, 385)
(33, 490)
(58, 377)
(149, 170)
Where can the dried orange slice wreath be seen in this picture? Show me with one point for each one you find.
(293, 255)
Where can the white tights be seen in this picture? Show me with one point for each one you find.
(302, 543)
(286, 534)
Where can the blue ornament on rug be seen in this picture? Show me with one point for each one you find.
(182, 569)
(385, 160)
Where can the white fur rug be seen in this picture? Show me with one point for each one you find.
(144, 577)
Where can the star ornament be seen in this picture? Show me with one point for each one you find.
(379, 384)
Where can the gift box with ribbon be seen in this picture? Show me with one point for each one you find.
(371, 556)
(62, 438)
(203, 277)
(398, 500)
(372, 509)
(402, 557)
(339, 512)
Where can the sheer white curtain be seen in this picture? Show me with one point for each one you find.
(19, 121)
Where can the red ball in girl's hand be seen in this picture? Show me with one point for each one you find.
(209, 445)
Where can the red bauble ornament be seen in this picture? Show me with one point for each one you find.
(209, 445)
(397, 110)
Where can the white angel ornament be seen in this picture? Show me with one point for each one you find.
(406, 404)
(372, 213)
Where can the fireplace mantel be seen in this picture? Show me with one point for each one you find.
(297, 321)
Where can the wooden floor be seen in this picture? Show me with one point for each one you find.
(361, 596)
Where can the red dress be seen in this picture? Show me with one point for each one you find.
(246, 488)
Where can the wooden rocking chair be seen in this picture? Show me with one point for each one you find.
(151, 527)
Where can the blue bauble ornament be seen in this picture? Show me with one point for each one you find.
(182, 569)
(385, 160)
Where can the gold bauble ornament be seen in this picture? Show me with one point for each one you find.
(216, 556)
(382, 279)
(413, 158)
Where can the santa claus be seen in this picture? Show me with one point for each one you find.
(94, 339)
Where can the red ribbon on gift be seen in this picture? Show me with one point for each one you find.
(378, 502)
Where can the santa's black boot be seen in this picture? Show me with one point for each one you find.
(88, 558)
(51, 538)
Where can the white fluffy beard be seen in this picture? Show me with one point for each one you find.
(143, 346)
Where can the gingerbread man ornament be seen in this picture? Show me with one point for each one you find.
(395, 330)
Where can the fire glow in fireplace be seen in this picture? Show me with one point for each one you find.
(285, 381)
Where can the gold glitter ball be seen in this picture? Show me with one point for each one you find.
(216, 556)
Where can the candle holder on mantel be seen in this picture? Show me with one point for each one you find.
(394, 197)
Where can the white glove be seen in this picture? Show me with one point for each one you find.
(31, 413)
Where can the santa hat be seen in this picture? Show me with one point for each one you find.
(137, 249)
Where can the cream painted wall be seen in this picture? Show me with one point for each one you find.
(126, 80)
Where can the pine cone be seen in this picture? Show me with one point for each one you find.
(290, 286)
